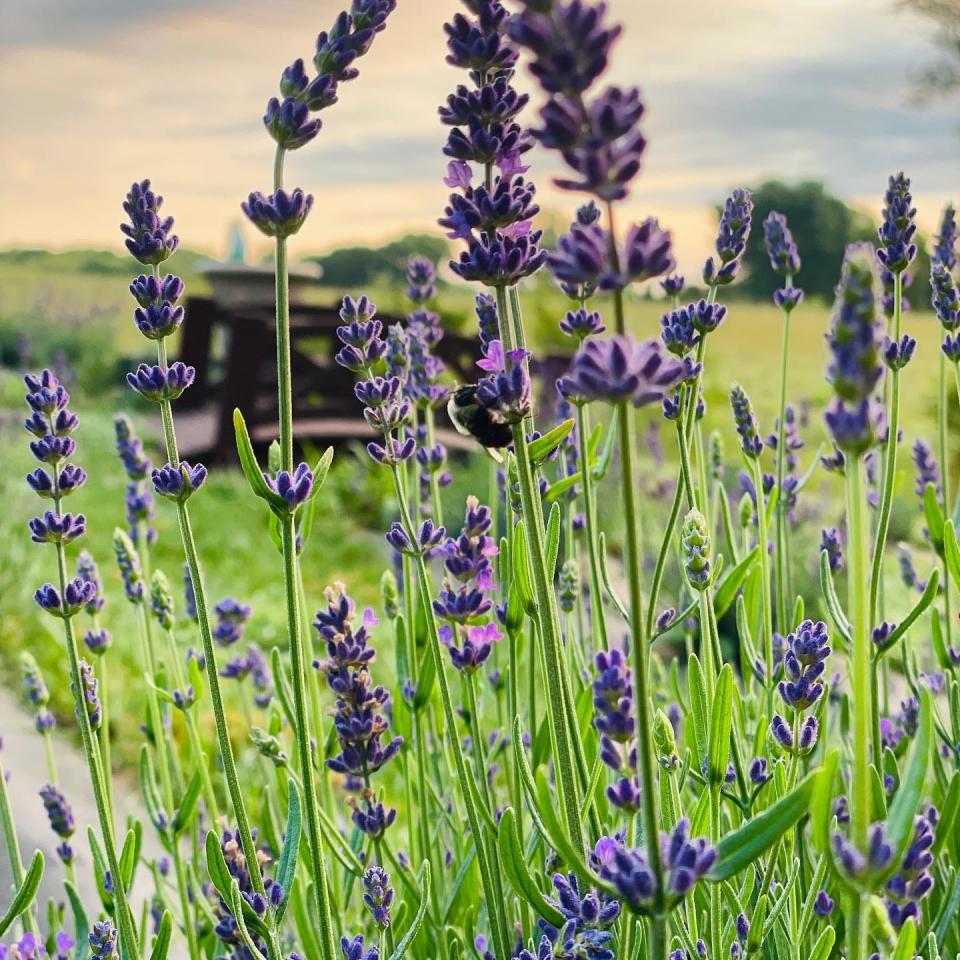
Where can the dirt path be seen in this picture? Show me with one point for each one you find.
(24, 762)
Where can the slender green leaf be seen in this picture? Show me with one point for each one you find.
(553, 539)
(287, 869)
(23, 898)
(520, 567)
(188, 804)
(698, 706)
(927, 597)
(824, 945)
(740, 848)
(161, 942)
(407, 939)
(606, 456)
(726, 593)
(906, 942)
(907, 799)
(948, 813)
(721, 723)
(81, 925)
(559, 487)
(541, 448)
(934, 517)
(830, 598)
(515, 865)
(607, 583)
(320, 471)
(251, 469)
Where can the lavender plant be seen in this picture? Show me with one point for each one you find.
(505, 766)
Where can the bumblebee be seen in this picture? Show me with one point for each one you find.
(472, 419)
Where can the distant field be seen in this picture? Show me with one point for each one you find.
(87, 315)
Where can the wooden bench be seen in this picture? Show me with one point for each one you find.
(234, 353)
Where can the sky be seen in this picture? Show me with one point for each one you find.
(97, 93)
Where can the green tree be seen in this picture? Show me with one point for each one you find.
(352, 266)
(822, 226)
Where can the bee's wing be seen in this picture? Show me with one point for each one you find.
(453, 411)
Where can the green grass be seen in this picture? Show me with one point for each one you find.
(92, 310)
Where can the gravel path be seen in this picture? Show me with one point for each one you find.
(25, 765)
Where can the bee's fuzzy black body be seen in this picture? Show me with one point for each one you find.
(473, 419)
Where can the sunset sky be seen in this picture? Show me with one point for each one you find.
(96, 93)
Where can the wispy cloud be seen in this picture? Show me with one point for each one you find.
(97, 93)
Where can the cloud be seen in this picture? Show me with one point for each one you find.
(96, 93)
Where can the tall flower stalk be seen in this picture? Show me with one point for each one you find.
(291, 124)
(785, 260)
(151, 241)
(852, 418)
(52, 425)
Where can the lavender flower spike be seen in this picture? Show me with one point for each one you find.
(279, 214)
(618, 369)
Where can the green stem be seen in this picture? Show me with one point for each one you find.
(783, 600)
(193, 733)
(640, 653)
(943, 420)
(291, 581)
(12, 844)
(318, 865)
(590, 514)
(890, 464)
(497, 921)
(860, 628)
(548, 614)
(764, 578)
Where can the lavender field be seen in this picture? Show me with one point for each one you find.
(640, 641)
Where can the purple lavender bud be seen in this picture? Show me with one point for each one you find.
(823, 904)
(945, 246)
(746, 423)
(781, 732)
(378, 896)
(678, 333)
(500, 259)
(475, 647)
(581, 259)
(695, 542)
(103, 941)
(156, 384)
(128, 562)
(88, 695)
(951, 348)
(374, 819)
(735, 222)
(392, 452)
(149, 237)
(179, 483)
(780, 245)
(620, 368)
(581, 324)
(158, 320)
(58, 811)
(76, 596)
(44, 721)
(97, 641)
(927, 469)
(232, 618)
(666, 619)
(831, 541)
(808, 735)
(897, 249)
(87, 571)
(486, 310)
(945, 297)
(478, 209)
(507, 392)
(353, 949)
(45, 393)
(57, 528)
(758, 770)
(278, 214)
(673, 285)
(647, 251)
(52, 449)
(897, 354)
(130, 449)
(149, 290)
(296, 488)
(854, 369)
(33, 685)
(288, 122)
(786, 298)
